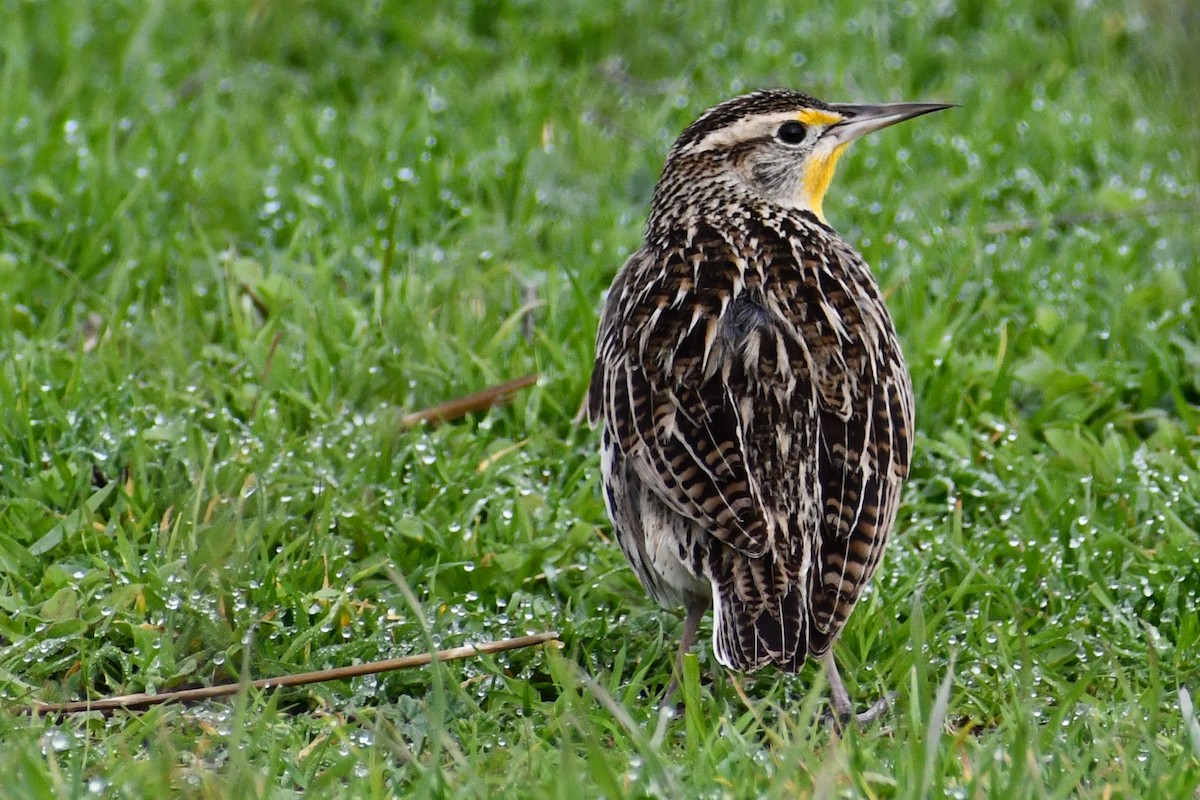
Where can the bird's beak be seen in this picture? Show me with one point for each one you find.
(861, 120)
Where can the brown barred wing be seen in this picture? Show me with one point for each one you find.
(660, 385)
(864, 454)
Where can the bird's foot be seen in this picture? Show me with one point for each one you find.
(839, 718)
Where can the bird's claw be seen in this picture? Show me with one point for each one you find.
(838, 719)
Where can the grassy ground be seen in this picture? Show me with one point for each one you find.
(237, 240)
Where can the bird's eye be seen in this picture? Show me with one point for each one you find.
(791, 133)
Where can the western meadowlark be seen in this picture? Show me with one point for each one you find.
(756, 411)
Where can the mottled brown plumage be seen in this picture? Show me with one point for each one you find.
(756, 412)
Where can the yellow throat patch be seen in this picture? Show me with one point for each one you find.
(816, 179)
(820, 171)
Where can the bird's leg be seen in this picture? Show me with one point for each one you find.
(695, 612)
(839, 699)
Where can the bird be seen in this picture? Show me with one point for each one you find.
(755, 411)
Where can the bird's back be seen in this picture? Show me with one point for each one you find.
(757, 408)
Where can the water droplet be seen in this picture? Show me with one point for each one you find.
(57, 740)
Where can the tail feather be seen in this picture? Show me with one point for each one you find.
(751, 630)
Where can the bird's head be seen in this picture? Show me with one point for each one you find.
(780, 145)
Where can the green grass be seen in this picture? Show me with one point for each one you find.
(237, 240)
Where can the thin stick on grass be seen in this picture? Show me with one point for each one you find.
(266, 372)
(461, 406)
(142, 700)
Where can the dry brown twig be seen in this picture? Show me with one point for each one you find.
(461, 406)
(142, 700)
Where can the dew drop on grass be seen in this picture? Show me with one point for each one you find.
(57, 740)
